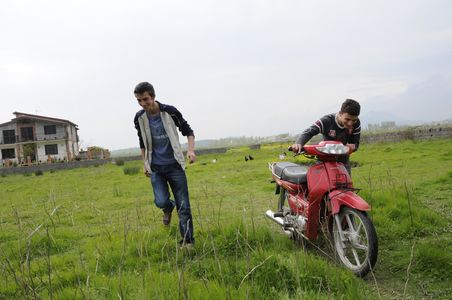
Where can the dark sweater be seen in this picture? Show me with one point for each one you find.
(331, 131)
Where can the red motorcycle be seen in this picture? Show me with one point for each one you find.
(322, 197)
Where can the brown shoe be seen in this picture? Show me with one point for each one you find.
(167, 218)
(187, 246)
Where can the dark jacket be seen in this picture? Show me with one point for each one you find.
(332, 131)
(172, 121)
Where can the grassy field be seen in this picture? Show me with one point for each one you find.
(94, 233)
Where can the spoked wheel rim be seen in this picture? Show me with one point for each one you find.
(355, 241)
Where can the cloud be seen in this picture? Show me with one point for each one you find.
(233, 68)
(424, 101)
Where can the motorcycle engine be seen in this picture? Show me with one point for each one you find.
(298, 222)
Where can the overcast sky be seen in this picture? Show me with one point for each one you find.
(233, 68)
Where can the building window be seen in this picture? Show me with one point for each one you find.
(51, 149)
(9, 136)
(26, 134)
(49, 129)
(8, 153)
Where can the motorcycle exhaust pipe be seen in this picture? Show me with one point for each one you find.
(278, 220)
(272, 217)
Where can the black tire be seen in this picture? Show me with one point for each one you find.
(359, 250)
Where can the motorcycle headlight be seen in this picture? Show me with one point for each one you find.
(334, 149)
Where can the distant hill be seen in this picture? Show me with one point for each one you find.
(230, 142)
(210, 144)
(125, 152)
(202, 144)
(377, 117)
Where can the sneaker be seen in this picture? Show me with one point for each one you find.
(167, 218)
(187, 246)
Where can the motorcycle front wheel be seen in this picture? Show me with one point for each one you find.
(355, 240)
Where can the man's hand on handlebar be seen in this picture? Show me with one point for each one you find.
(296, 148)
(352, 148)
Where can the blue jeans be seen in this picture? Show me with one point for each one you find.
(174, 175)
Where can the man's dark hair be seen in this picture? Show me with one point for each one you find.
(143, 87)
(351, 107)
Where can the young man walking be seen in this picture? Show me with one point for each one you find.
(343, 126)
(157, 125)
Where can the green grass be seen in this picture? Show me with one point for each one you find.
(95, 232)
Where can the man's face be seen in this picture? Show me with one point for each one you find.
(347, 120)
(145, 100)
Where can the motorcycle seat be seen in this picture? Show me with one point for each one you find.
(290, 172)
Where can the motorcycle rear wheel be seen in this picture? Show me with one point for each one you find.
(355, 241)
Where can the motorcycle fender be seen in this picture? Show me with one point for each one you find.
(339, 198)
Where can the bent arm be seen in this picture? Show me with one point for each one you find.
(309, 133)
(355, 136)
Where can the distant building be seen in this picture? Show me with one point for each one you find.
(382, 125)
(94, 153)
(28, 139)
(388, 125)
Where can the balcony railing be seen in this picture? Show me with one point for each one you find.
(18, 139)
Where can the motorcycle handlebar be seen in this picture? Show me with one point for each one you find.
(295, 153)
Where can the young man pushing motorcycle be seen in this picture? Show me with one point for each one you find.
(321, 197)
(343, 126)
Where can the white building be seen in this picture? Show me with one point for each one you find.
(37, 139)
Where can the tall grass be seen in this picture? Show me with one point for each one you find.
(95, 233)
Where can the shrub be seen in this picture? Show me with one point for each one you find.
(39, 173)
(119, 162)
(131, 170)
(27, 173)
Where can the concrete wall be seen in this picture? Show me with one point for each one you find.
(40, 135)
(84, 163)
(9, 146)
(10, 126)
(209, 151)
(420, 133)
(54, 166)
(41, 153)
(198, 152)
